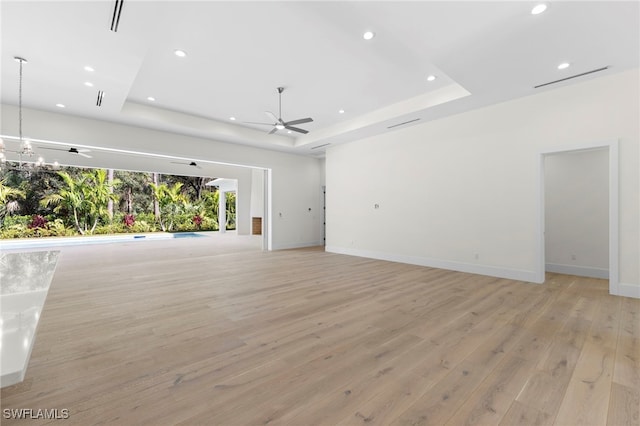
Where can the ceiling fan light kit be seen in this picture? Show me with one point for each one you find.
(192, 164)
(81, 152)
(278, 123)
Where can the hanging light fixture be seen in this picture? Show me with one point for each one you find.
(26, 150)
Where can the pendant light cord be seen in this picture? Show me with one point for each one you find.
(20, 100)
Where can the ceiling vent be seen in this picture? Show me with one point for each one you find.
(320, 146)
(402, 124)
(570, 77)
(115, 18)
(99, 99)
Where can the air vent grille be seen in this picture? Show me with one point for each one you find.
(99, 99)
(570, 77)
(403, 123)
(115, 18)
(320, 146)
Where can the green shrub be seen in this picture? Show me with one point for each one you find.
(146, 217)
(209, 224)
(112, 228)
(142, 226)
(17, 231)
(10, 221)
(56, 228)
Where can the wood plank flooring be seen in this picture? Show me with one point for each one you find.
(196, 332)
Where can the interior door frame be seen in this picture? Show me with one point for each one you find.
(267, 225)
(612, 147)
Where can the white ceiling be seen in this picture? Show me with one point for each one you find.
(239, 52)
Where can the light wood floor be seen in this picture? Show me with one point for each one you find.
(181, 332)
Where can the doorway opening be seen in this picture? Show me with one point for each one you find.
(578, 217)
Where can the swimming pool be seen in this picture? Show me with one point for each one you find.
(94, 239)
(187, 235)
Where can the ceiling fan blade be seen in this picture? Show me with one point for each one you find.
(253, 122)
(83, 150)
(295, 129)
(55, 149)
(275, 129)
(272, 116)
(299, 121)
(82, 154)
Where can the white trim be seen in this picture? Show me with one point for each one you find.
(581, 271)
(614, 217)
(612, 147)
(540, 225)
(267, 223)
(628, 290)
(492, 271)
(298, 245)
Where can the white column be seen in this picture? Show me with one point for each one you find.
(222, 211)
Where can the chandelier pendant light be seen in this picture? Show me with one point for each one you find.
(25, 146)
(26, 150)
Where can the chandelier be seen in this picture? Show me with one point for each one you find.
(25, 149)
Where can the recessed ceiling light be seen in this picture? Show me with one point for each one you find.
(341, 111)
(279, 126)
(60, 105)
(232, 118)
(180, 53)
(538, 9)
(88, 84)
(431, 77)
(288, 131)
(368, 35)
(89, 69)
(563, 65)
(151, 98)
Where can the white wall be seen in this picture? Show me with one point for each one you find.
(243, 203)
(463, 192)
(257, 196)
(577, 213)
(295, 179)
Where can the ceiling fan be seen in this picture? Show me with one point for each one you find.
(192, 164)
(81, 152)
(279, 123)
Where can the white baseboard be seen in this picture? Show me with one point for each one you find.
(296, 245)
(628, 290)
(581, 271)
(492, 271)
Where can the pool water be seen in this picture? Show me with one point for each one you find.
(187, 235)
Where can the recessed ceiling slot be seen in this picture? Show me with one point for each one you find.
(320, 146)
(402, 124)
(570, 77)
(99, 99)
(115, 19)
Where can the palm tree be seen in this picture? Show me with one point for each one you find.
(8, 198)
(70, 198)
(171, 201)
(87, 197)
(99, 192)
